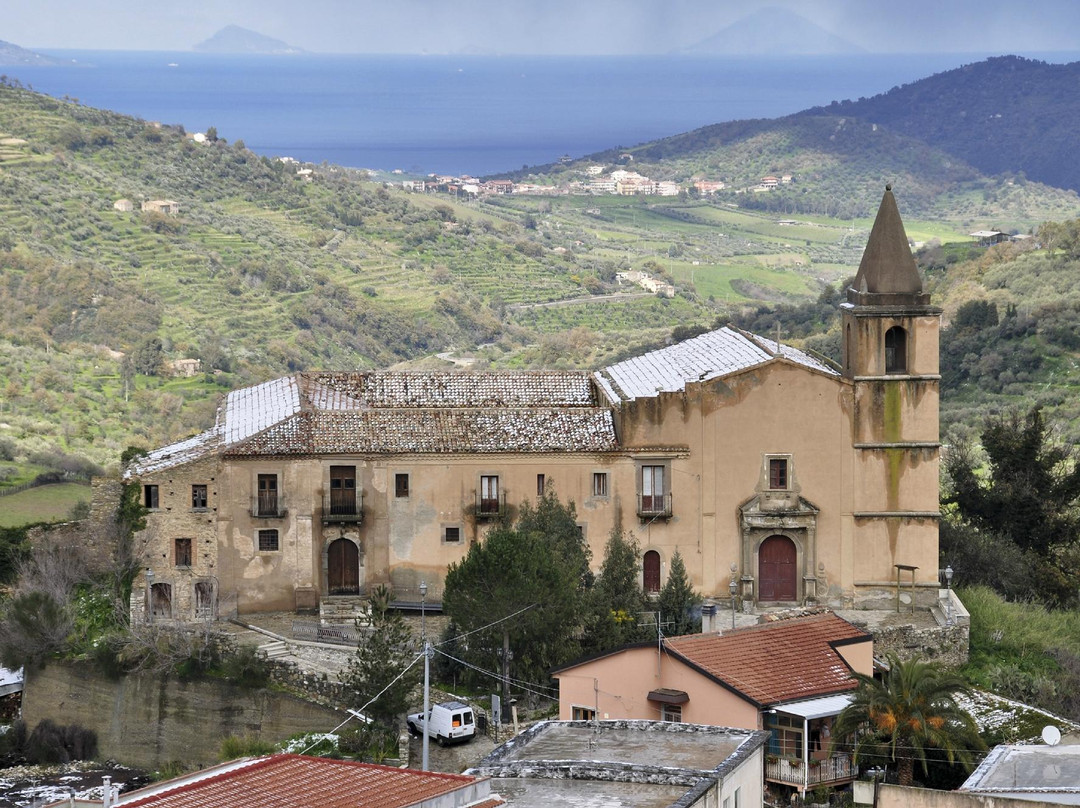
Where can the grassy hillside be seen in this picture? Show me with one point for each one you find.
(264, 272)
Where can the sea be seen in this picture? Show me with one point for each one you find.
(476, 115)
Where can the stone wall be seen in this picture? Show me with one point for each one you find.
(97, 534)
(945, 644)
(147, 720)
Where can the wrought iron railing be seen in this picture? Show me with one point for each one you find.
(652, 506)
(490, 507)
(343, 505)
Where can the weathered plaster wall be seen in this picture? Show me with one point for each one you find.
(146, 721)
(890, 796)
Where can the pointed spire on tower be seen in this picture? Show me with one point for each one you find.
(887, 274)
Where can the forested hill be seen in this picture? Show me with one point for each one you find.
(1005, 114)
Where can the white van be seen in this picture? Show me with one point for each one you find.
(449, 722)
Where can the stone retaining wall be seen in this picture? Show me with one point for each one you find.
(147, 720)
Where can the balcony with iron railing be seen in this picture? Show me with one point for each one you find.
(488, 507)
(343, 506)
(267, 505)
(654, 506)
(791, 771)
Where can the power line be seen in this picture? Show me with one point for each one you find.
(489, 625)
(373, 699)
(522, 685)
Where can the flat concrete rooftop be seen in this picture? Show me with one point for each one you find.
(1032, 768)
(614, 744)
(533, 793)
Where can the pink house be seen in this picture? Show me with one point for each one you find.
(789, 676)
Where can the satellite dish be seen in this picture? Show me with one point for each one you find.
(1051, 735)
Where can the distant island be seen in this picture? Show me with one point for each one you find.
(11, 54)
(770, 31)
(234, 39)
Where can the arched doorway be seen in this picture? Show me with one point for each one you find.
(777, 566)
(343, 568)
(651, 572)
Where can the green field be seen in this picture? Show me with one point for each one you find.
(45, 503)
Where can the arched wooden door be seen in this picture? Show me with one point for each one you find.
(651, 572)
(343, 568)
(777, 561)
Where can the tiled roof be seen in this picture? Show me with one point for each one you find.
(293, 781)
(450, 389)
(436, 431)
(776, 662)
(709, 356)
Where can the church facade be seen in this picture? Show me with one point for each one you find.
(802, 481)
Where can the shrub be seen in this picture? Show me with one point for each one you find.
(55, 743)
(238, 746)
(246, 667)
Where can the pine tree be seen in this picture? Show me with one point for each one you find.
(380, 657)
(678, 599)
(617, 599)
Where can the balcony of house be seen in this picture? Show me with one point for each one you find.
(491, 506)
(267, 505)
(800, 752)
(343, 506)
(809, 774)
(654, 506)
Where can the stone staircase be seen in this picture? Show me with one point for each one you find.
(275, 649)
(344, 609)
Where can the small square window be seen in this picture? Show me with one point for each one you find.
(268, 541)
(583, 713)
(182, 552)
(401, 485)
(150, 496)
(778, 474)
(599, 484)
(540, 479)
(198, 497)
(452, 535)
(671, 712)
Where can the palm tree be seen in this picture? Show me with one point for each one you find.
(912, 709)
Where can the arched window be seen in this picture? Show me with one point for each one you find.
(896, 350)
(651, 573)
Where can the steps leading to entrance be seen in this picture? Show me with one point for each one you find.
(344, 609)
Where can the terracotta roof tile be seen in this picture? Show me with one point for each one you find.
(776, 662)
(436, 431)
(295, 781)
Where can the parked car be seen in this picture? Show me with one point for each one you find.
(449, 722)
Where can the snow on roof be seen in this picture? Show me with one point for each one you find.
(709, 356)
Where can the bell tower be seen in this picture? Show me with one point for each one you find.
(890, 354)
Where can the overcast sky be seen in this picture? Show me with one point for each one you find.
(535, 26)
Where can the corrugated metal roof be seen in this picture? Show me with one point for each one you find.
(709, 356)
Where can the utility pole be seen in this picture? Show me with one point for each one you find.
(427, 676)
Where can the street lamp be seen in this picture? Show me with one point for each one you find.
(948, 597)
(733, 587)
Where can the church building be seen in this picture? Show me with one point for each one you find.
(801, 481)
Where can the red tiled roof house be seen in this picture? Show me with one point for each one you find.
(297, 781)
(790, 677)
